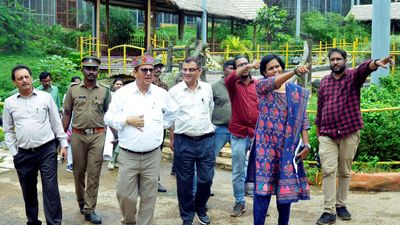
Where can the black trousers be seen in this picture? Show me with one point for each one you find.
(28, 163)
(187, 153)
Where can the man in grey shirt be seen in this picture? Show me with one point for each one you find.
(31, 127)
(222, 109)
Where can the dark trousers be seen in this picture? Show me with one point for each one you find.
(189, 152)
(260, 208)
(28, 163)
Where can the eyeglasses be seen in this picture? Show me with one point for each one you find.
(190, 70)
(242, 64)
(146, 70)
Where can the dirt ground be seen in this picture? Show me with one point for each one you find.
(375, 208)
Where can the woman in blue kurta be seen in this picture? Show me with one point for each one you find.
(282, 118)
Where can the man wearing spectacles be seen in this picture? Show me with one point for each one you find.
(88, 101)
(242, 93)
(140, 111)
(194, 142)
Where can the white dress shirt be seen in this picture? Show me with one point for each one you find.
(195, 109)
(30, 122)
(157, 107)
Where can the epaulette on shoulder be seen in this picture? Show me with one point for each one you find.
(103, 85)
(74, 84)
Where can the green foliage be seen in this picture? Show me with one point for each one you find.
(353, 29)
(332, 25)
(121, 26)
(62, 69)
(15, 31)
(236, 45)
(273, 20)
(1, 136)
(320, 27)
(395, 40)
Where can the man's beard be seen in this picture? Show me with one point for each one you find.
(341, 69)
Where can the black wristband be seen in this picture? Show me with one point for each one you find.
(375, 62)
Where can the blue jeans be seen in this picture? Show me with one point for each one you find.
(222, 136)
(239, 166)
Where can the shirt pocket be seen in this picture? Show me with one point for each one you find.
(41, 114)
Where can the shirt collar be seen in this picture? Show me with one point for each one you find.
(136, 88)
(82, 84)
(34, 92)
(199, 85)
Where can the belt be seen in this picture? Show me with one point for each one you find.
(35, 149)
(88, 130)
(198, 138)
(135, 152)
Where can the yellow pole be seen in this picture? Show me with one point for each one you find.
(356, 42)
(90, 44)
(81, 46)
(258, 52)
(98, 48)
(334, 43)
(326, 45)
(109, 62)
(124, 58)
(287, 55)
(227, 53)
(344, 44)
(353, 60)
(320, 53)
(155, 41)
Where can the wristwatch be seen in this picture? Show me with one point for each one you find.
(307, 146)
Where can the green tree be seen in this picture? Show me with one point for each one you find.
(16, 32)
(273, 20)
(121, 26)
(320, 27)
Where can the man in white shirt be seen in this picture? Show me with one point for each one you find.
(139, 112)
(194, 142)
(31, 126)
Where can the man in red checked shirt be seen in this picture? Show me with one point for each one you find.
(338, 128)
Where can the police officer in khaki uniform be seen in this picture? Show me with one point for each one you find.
(88, 100)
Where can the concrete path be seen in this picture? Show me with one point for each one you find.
(368, 208)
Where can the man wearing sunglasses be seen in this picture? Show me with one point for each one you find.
(88, 100)
(139, 112)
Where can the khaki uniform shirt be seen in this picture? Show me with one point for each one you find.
(88, 106)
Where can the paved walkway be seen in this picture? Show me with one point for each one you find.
(368, 208)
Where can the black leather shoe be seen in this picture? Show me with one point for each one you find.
(81, 207)
(93, 218)
(187, 222)
(161, 188)
(343, 213)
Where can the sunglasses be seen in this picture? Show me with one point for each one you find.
(146, 70)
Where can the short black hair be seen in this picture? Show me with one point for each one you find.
(268, 58)
(20, 67)
(237, 58)
(74, 78)
(227, 63)
(338, 50)
(193, 59)
(43, 75)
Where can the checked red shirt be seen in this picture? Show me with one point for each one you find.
(338, 113)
